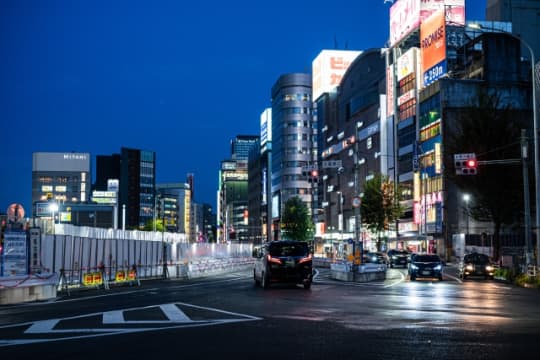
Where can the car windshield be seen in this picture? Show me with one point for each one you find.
(289, 249)
(476, 259)
(399, 252)
(426, 258)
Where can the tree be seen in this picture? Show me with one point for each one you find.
(491, 130)
(149, 226)
(380, 205)
(296, 223)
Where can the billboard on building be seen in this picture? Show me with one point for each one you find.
(433, 45)
(266, 127)
(390, 90)
(328, 69)
(44, 161)
(406, 15)
(406, 64)
(404, 18)
(454, 10)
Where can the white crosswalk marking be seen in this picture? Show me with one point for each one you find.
(174, 313)
(42, 326)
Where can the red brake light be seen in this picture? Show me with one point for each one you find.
(306, 259)
(273, 259)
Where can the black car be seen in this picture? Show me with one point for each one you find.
(398, 257)
(476, 264)
(426, 266)
(375, 258)
(283, 261)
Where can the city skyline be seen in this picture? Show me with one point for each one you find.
(178, 79)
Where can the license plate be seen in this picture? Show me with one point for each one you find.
(425, 272)
(290, 263)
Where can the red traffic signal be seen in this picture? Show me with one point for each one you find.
(471, 163)
(314, 173)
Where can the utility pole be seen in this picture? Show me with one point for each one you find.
(526, 200)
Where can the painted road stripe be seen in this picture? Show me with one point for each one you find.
(42, 326)
(174, 313)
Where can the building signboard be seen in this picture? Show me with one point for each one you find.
(14, 254)
(433, 45)
(328, 69)
(390, 90)
(404, 18)
(406, 15)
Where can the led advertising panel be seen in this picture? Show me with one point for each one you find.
(455, 10)
(404, 18)
(433, 45)
(328, 69)
(406, 15)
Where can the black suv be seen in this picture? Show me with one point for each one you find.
(476, 264)
(426, 266)
(283, 261)
(398, 257)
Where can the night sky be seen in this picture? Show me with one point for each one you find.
(181, 78)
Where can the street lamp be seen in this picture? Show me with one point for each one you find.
(53, 208)
(535, 133)
(466, 198)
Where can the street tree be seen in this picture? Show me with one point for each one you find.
(149, 225)
(296, 223)
(380, 205)
(491, 130)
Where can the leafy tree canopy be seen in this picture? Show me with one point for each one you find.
(296, 223)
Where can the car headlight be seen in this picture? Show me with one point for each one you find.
(489, 268)
(414, 267)
(438, 267)
(469, 267)
(394, 257)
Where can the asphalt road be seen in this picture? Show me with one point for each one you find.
(228, 317)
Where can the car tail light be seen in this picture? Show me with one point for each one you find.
(306, 259)
(273, 259)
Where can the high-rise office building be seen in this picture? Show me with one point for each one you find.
(136, 171)
(292, 141)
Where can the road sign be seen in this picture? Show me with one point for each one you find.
(327, 164)
(356, 201)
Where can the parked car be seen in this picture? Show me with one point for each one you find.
(476, 264)
(398, 257)
(425, 266)
(283, 261)
(375, 257)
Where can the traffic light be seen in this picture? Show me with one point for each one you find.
(470, 167)
(465, 164)
(313, 176)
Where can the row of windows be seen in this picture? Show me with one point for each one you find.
(432, 184)
(288, 193)
(295, 151)
(407, 84)
(299, 123)
(407, 109)
(430, 131)
(297, 97)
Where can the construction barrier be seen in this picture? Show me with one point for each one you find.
(120, 276)
(88, 279)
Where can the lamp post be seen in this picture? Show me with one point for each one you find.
(53, 207)
(535, 135)
(466, 198)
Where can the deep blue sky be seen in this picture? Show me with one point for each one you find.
(181, 78)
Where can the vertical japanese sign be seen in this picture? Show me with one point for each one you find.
(433, 44)
(14, 256)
